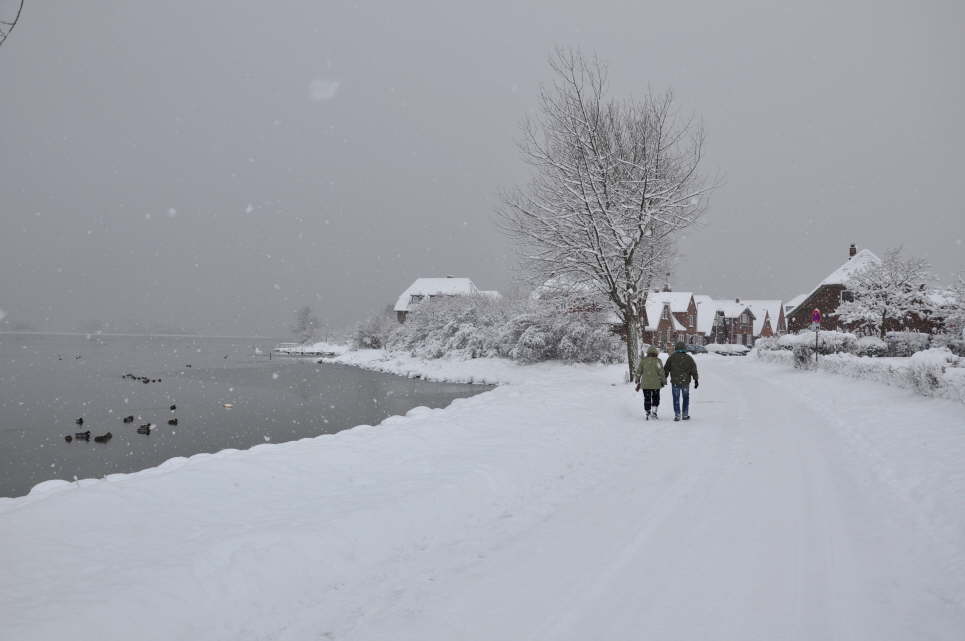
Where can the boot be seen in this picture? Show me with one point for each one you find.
(676, 417)
(653, 414)
(686, 417)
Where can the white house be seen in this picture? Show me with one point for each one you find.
(424, 290)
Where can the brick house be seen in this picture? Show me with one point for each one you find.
(769, 317)
(659, 326)
(683, 309)
(733, 323)
(830, 292)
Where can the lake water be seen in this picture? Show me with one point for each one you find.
(48, 381)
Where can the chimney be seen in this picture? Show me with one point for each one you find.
(852, 251)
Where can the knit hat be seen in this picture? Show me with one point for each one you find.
(653, 351)
(680, 347)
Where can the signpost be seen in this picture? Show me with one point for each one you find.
(815, 325)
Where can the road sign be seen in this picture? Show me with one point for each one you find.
(815, 315)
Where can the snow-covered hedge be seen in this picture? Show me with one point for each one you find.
(871, 346)
(933, 372)
(527, 331)
(955, 344)
(906, 343)
(828, 342)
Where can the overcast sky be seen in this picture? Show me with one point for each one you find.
(215, 165)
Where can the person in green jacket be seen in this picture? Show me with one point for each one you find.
(650, 378)
(680, 366)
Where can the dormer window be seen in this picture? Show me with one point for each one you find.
(847, 296)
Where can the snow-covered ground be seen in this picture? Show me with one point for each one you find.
(795, 505)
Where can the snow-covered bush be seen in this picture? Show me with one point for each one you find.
(544, 332)
(870, 346)
(906, 343)
(462, 326)
(803, 356)
(524, 330)
(829, 342)
(374, 332)
(955, 344)
(926, 369)
(768, 343)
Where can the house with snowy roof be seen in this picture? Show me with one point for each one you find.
(831, 292)
(669, 317)
(733, 323)
(769, 317)
(424, 290)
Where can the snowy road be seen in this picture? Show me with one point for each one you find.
(794, 506)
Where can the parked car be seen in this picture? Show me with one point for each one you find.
(696, 349)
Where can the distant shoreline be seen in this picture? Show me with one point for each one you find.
(128, 335)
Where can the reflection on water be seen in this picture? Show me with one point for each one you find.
(47, 382)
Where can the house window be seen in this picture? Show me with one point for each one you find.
(666, 313)
(415, 298)
(744, 318)
(847, 296)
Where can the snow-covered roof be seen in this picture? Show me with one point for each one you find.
(679, 301)
(655, 311)
(843, 274)
(794, 302)
(730, 307)
(491, 293)
(759, 308)
(435, 287)
(705, 313)
(861, 260)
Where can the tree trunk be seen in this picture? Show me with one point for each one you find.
(633, 342)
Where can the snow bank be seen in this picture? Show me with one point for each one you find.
(933, 372)
(490, 371)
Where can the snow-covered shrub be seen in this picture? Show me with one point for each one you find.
(769, 343)
(463, 326)
(955, 344)
(926, 369)
(906, 343)
(829, 342)
(541, 331)
(528, 330)
(803, 356)
(374, 332)
(870, 346)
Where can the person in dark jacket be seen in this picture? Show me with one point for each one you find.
(680, 366)
(651, 377)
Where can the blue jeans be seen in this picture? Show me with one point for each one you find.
(676, 391)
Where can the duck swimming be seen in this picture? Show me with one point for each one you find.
(103, 438)
(82, 436)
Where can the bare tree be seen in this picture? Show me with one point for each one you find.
(888, 295)
(614, 182)
(9, 18)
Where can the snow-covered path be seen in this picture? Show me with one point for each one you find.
(794, 506)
